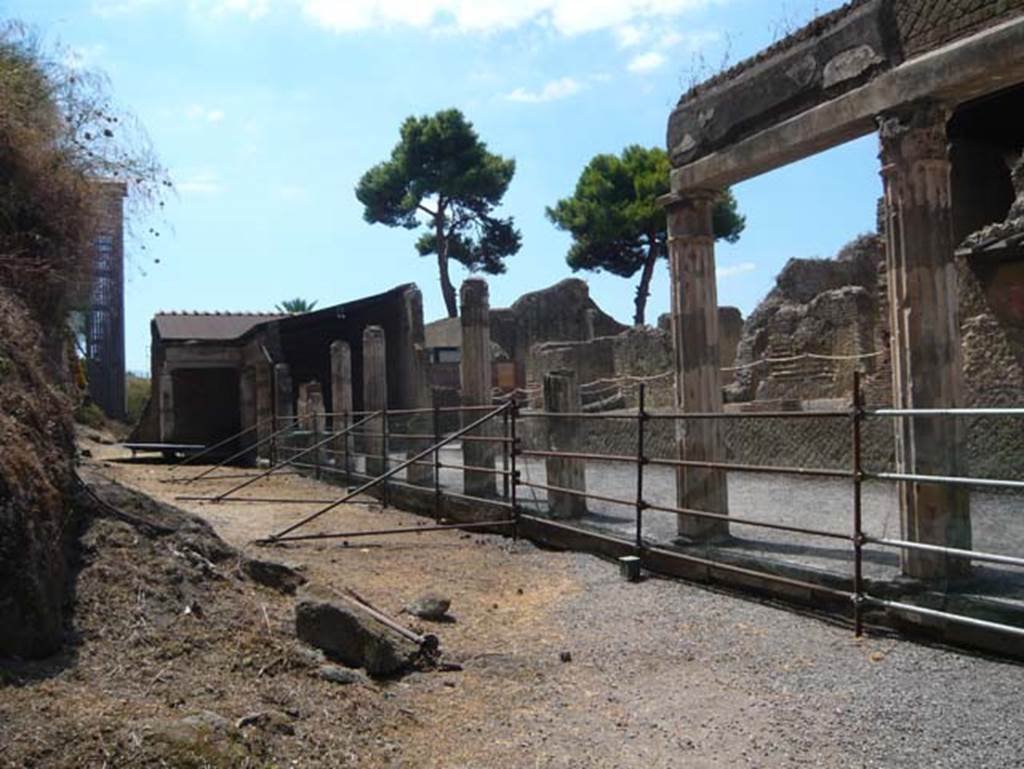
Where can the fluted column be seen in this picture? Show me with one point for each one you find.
(691, 250)
(923, 301)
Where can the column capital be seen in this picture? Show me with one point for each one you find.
(913, 133)
(677, 198)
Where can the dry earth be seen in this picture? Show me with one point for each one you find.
(661, 673)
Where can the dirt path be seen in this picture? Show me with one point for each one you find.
(661, 673)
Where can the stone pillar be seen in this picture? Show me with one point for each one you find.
(416, 392)
(562, 395)
(923, 307)
(375, 395)
(302, 411)
(166, 406)
(475, 370)
(264, 409)
(341, 402)
(691, 246)
(247, 408)
(317, 422)
(284, 406)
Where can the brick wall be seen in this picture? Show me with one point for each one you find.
(927, 24)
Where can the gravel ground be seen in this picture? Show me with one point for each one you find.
(661, 673)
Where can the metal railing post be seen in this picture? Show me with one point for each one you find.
(856, 414)
(641, 417)
(513, 470)
(384, 454)
(504, 456)
(345, 458)
(437, 460)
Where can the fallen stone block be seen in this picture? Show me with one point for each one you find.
(353, 637)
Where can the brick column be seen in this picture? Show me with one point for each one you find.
(375, 395)
(475, 369)
(691, 250)
(923, 307)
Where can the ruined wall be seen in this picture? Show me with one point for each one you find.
(563, 312)
(635, 352)
(824, 307)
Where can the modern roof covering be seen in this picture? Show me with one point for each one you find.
(209, 325)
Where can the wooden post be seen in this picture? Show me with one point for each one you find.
(341, 400)
(691, 246)
(926, 362)
(562, 395)
(375, 395)
(475, 369)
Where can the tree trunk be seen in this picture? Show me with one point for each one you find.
(447, 289)
(643, 289)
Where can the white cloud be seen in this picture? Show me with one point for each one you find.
(199, 113)
(551, 91)
(646, 62)
(631, 35)
(200, 183)
(567, 17)
(736, 269)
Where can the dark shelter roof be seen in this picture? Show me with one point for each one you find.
(209, 325)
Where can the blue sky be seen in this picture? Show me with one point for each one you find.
(267, 112)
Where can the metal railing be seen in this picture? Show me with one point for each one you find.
(325, 461)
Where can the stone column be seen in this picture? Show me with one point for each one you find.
(264, 409)
(691, 248)
(375, 395)
(284, 406)
(302, 411)
(317, 422)
(923, 306)
(416, 393)
(475, 370)
(562, 395)
(341, 402)
(166, 406)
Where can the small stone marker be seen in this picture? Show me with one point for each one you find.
(430, 606)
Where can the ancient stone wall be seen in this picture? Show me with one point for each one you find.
(819, 307)
(563, 312)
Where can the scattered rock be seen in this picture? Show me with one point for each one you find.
(268, 720)
(339, 675)
(277, 576)
(207, 721)
(565, 656)
(430, 606)
(353, 637)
